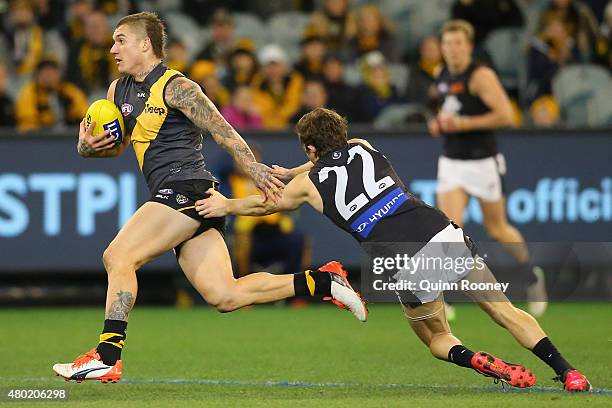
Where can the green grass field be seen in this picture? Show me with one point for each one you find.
(278, 356)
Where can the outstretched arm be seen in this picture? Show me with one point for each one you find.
(298, 192)
(187, 96)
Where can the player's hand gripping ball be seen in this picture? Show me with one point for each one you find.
(106, 115)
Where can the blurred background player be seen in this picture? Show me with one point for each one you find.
(473, 105)
(164, 115)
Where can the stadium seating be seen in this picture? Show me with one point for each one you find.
(599, 108)
(395, 115)
(250, 26)
(286, 29)
(183, 27)
(399, 76)
(574, 85)
(507, 46)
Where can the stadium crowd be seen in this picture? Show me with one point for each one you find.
(264, 63)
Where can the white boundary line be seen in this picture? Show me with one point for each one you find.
(300, 384)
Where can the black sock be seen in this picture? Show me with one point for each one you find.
(311, 283)
(549, 354)
(526, 273)
(112, 340)
(461, 356)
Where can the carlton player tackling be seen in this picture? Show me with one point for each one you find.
(348, 181)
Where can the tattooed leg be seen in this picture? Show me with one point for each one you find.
(120, 308)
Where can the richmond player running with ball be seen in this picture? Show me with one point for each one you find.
(164, 114)
(344, 171)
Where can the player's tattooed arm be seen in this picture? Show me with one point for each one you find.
(187, 96)
(120, 308)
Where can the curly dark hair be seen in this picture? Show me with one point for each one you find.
(324, 129)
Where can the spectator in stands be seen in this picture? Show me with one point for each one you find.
(205, 74)
(221, 43)
(24, 37)
(91, 66)
(243, 113)
(549, 50)
(278, 88)
(117, 7)
(581, 26)
(177, 56)
(486, 16)
(271, 241)
(49, 13)
(74, 29)
(335, 23)
(421, 75)
(341, 97)
(47, 101)
(374, 33)
(7, 108)
(377, 90)
(242, 66)
(544, 112)
(310, 64)
(314, 96)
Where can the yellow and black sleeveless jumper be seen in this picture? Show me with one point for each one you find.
(167, 144)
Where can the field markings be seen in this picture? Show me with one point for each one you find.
(300, 384)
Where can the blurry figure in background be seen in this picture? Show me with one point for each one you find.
(422, 72)
(375, 32)
(49, 13)
(47, 101)
(473, 105)
(25, 38)
(270, 242)
(221, 43)
(580, 25)
(544, 112)
(550, 49)
(278, 88)
(116, 7)
(177, 56)
(90, 65)
(341, 97)
(205, 74)
(310, 64)
(314, 96)
(334, 23)
(74, 29)
(7, 107)
(377, 90)
(242, 113)
(242, 66)
(486, 16)
(606, 33)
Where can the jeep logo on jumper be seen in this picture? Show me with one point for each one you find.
(154, 109)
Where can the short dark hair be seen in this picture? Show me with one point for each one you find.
(153, 27)
(324, 129)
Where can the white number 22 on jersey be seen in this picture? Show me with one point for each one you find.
(372, 186)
